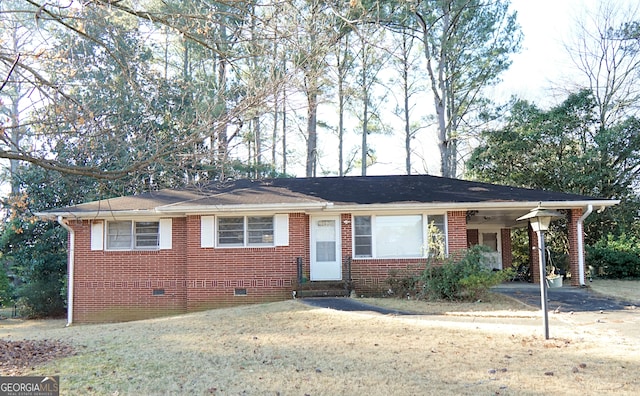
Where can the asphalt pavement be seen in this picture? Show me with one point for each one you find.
(349, 304)
(566, 299)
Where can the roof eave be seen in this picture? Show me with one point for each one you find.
(281, 207)
(504, 205)
(179, 210)
(99, 214)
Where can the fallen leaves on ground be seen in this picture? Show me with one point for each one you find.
(17, 357)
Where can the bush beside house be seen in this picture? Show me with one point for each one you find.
(615, 257)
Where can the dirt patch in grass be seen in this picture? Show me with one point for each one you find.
(19, 357)
(289, 348)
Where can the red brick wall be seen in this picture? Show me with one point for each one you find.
(534, 256)
(457, 230)
(267, 274)
(507, 253)
(116, 286)
(347, 244)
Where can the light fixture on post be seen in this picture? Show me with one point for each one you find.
(540, 219)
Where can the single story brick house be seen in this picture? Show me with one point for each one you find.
(244, 241)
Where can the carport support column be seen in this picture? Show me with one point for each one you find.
(507, 251)
(573, 216)
(534, 254)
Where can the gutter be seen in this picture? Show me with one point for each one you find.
(189, 209)
(71, 265)
(496, 205)
(580, 235)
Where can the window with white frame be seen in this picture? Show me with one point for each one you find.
(245, 231)
(398, 236)
(130, 235)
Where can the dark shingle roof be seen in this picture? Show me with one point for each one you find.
(396, 189)
(352, 190)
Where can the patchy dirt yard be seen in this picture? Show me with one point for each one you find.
(289, 348)
(21, 357)
(495, 347)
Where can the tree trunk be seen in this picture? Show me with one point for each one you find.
(365, 113)
(405, 89)
(312, 137)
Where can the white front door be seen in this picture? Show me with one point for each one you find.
(325, 249)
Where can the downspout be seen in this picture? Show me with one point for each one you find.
(72, 244)
(580, 232)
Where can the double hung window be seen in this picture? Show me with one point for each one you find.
(130, 235)
(245, 231)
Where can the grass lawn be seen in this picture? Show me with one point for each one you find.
(288, 348)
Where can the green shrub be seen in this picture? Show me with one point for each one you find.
(41, 298)
(466, 278)
(36, 253)
(403, 283)
(615, 257)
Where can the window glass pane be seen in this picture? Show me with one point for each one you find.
(326, 251)
(147, 234)
(398, 236)
(119, 235)
(260, 230)
(231, 231)
(437, 236)
(363, 243)
(325, 240)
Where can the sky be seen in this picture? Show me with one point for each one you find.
(542, 65)
(543, 62)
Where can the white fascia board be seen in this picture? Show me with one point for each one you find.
(503, 205)
(176, 211)
(198, 209)
(103, 214)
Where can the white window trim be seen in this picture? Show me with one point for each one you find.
(99, 235)
(374, 255)
(209, 231)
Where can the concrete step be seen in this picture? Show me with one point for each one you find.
(322, 289)
(322, 293)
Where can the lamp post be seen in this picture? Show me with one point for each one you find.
(540, 218)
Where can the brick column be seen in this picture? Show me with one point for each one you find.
(572, 236)
(457, 231)
(534, 255)
(507, 254)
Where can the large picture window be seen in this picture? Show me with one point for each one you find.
(129, 235)
(245, 231)
(398, 236)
